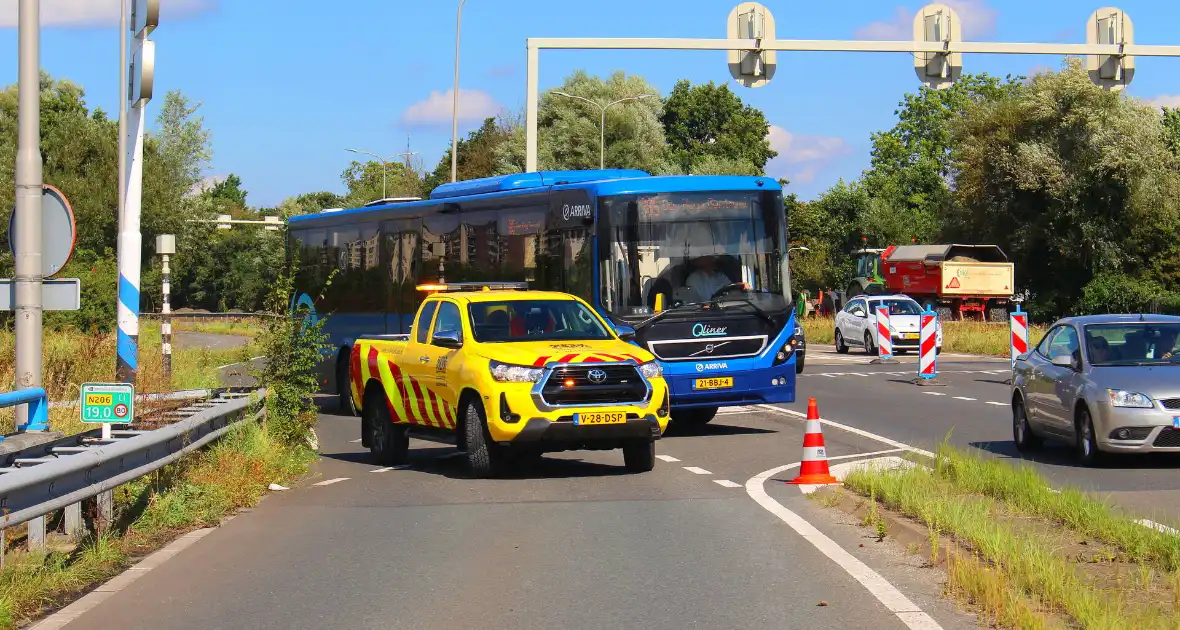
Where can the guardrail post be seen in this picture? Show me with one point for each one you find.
(75, 526)
(37, 533)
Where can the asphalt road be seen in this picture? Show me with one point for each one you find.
(571, 543)
(972, 411)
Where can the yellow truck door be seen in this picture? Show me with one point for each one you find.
(425, 368)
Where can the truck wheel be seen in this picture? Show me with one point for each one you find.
(997, 314)
(344, 386)
(945, 313)
(841, 347)
(389, 443)
(639, 456)
(694, 417)
(483, 455)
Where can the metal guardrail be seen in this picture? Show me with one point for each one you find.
(175, 316)
(60, 474)
(38, 402)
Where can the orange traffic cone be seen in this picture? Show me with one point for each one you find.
(814, 469)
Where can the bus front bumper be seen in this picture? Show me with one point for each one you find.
(726, 388)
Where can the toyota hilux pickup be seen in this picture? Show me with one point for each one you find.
(507, 373)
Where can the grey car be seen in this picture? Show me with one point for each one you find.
(1104, 383)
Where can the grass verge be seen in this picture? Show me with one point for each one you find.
(195, 492)
(989, 339)
(71, 358)
(246, 327)
(1031, 557)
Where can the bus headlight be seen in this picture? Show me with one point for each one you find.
(651, 369)
(508, 373)
(789, 348)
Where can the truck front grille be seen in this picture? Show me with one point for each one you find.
(573, 385)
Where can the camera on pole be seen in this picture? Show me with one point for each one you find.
(751, 68)
(938, 23)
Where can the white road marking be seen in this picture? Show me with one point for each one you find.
(354, 441)
(844, 427)
(967, 398)
(329, 482)
(667, 458)
(897, 603)
(222, 367)
(998, 404)
(725, 483)
(697, 471)
(934, 393)
(389, 468)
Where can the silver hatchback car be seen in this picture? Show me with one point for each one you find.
(1105, 383)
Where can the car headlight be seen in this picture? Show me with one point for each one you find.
(651, 369)
(508, 373)
(1123, 398)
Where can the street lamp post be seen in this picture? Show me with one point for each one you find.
(602, 122)
(455, 99)
(384, 169)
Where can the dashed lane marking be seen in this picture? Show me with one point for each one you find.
(697, 471)
(354, 441)
(934, 393)
(389, 468)
(725, 483)
(897, 603)
(667, 458)
(998, 404)
(967, 398)
(328, 482)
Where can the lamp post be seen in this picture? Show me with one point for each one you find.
(384, 168)
(602, 123)
(455, 97)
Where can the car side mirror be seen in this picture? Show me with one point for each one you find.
(447, 339)
(1063, 360)
(626, 333)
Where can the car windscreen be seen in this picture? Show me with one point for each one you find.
(1132, 343)
(535, 320)
(896, 307)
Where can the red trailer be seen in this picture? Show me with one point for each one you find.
(960, 281)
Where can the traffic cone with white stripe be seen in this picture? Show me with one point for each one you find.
(814, 469)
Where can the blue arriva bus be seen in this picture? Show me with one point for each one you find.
(696, 265)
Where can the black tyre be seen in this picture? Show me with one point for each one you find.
(694, 417)
(639, 456)
(997, 314)
(799, 363)
(841, 347)
(1022, 433)
(344, 386)
(389, 443)
(869, 347)
(1085, 442)
(483, 456)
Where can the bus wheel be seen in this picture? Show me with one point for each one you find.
(344, 387)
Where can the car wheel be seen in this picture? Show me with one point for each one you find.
(1085, 441)
(483, 455)
(639, 456)
(389, 443)
(344, 387)
(1022, 433)
(869, 348)
(694, 417)
(841, 347)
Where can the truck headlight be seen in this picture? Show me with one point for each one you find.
(1123, 398)
(651, 369)
(508, 373)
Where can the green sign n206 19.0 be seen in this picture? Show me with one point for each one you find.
(108, 403)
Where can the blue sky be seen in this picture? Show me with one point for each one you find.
(287, 85)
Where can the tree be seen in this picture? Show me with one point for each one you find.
(478, 153)
(308, 203)
(1172, 129)
(568, 129)
(229, 191)
(710, 122)
(366, 182)
(1074, 182)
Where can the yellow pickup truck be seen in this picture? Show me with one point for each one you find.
(507, 372)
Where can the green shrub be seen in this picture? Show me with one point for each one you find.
(1120, 293)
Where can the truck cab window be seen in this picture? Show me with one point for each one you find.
(449, 319)
(422, 326)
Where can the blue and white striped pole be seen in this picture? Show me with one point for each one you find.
(130, 253)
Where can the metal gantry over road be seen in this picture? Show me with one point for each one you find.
(937, 51)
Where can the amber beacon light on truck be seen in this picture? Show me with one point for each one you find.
(452, 287)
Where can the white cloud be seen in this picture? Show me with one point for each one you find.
(1164, 100)
(205, 184)
(97, 12)
(801, 157)
(979, 21)
(474, 105)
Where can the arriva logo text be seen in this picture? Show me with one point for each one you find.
(704, 330)
(581, 211)
(701, 367)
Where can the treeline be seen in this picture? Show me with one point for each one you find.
(1081, 187)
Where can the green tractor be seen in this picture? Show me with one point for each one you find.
(868, 279)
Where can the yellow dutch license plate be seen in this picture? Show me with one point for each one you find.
(910, 336)
(600, 417)
(724, 382)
